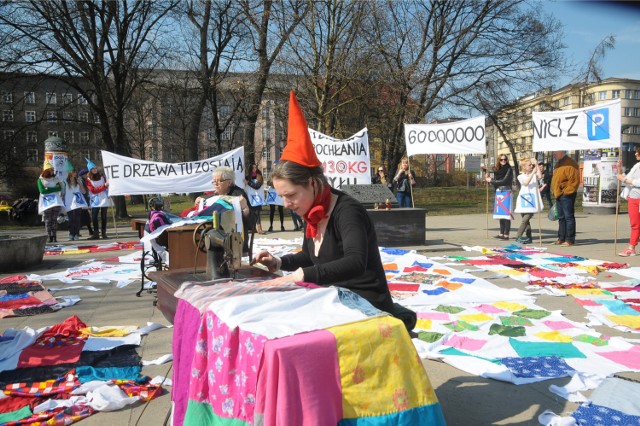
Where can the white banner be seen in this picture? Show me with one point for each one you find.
(459, 137)
(345, 161)
(131, 176)
(594, 127)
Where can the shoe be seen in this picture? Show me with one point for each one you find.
(499, 236)
(270, 229)
(282, 228)
(105, 237)
(526, 241)
(50, 239)
(71, 237)
(94, 237)
(628, 252)
(296, 229)
(519, 240)
(505, 238)
(568, 244)
(55, 240)
(558, 243)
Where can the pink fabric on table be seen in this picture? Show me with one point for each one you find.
(225, 368)
(299, 381)
(437, 316)
(185, 331)
(587, 302)
(489, 309)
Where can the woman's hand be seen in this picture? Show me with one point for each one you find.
(621, 177)
(267, 259)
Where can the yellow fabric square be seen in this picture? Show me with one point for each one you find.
(449, 286)
(424, 324)
(475, 317)
(585, 291)
(554, 336)
(380, 371)
(109, 331)
(631, 321)
(509, 306)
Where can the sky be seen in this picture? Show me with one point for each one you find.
(587, 23)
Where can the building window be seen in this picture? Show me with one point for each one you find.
(32, 155)
(226, 134)
(265, 133)
(626, 111)
(68, 116)
(84, 136)
(52, 117)
(29, 98)
(223, 111)
(628, 94)
(636, 94)
(30, 116)
(82, 100)
(68, 136)
(7, 116)
(211, 134)
(8, 135)
(615, 94)
(96, 118)
(52, 134)
(51, 98)
(636, 112)
(602, 95)
(67, 98)
(86, 154)
(7, 97)
(32, 137)
(84, 117)
(566, 101)
(265, 112)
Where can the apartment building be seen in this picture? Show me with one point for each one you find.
(515, 123)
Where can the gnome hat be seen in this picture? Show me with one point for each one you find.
(299, 148)
(47, 165)
(69, 166)
(90, 164)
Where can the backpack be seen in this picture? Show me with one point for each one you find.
(157, 218)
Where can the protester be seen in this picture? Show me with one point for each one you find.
(50, 202)
(74, 202)
(404, 180)
(564, 184)
(529, 200)
(340, 245)
(223, 179)
(502, 180)
(255, 180)
(272, 213)
(85, 213)
(381, 178)
(545, 183)
(100, 202)
(632, 192)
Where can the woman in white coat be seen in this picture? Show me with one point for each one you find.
(529, 200)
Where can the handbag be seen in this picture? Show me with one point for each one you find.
(625, 192)
(553, 212)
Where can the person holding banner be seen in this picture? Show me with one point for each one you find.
(564, 184)
(502, 181)
(99, 199)
(404, 180)
(340, 246)
(50, 202)
(74, 202)
(255, 181)
(529, 200)
(631, 192)
(545, 183)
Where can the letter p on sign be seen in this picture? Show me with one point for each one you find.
(598, 124)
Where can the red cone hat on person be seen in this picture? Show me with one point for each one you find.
(299, 148)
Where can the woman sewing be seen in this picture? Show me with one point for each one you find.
(340, 246)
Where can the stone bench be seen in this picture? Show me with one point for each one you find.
(399, 227)
(19, 253)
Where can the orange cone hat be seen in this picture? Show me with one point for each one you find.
(299, 148)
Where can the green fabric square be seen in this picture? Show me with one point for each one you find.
(532, 313)
(596, 341)
(429, 336)
(513, 321)
(449, 309)
(461, 326)
(507, 330)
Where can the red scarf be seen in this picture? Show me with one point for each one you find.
(317, 212)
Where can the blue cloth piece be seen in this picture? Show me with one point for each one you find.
(397, 252)
(357, 302)
(17, 296)
(462, 280)
(563, 259)
(424, 265)
(435, 291)
(87, 373)
(539, 366)
(517, 256)
(618, 307)
(596, 415)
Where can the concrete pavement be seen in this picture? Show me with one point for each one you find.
(466, 399)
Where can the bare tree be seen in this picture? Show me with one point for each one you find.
(111, 44)
(439, 53)
(271, 24)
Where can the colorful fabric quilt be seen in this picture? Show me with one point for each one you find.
(21, 296)
(42, 374)
(251, 361)
(58, 249)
